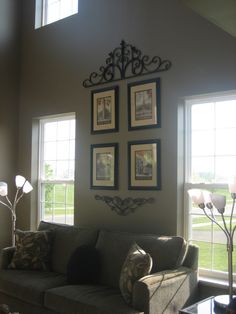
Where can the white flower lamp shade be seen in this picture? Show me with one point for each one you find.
(197, 196)
(27, 187)
(219, 201)
(20, 181)
(3, 189)
(232, 185)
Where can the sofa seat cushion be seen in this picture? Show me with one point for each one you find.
(29, 285)
(167, 252)
(87, 299)
(66, 240)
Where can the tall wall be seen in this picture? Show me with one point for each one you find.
(9, 88)
(58, 57)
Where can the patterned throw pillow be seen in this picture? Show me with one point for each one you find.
(33, 250)
(137, 264)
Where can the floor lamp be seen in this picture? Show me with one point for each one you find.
(207, 201)
(22, 187)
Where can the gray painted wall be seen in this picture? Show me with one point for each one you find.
(9, 82)
(58, 57)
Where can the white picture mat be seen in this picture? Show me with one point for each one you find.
(144, 183)
(96, 96)
(140, 88)
(111, 152)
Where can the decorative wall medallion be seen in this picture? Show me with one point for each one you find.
(125, 62)
(126, 206)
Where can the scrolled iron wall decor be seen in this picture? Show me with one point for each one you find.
(126, 206)
(125, 62)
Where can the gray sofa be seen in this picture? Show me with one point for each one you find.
(171, 285)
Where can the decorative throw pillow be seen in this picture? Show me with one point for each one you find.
(83, 266)
(138, 263)
(33, 250)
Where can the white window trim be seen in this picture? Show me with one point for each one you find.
(206, 274)
(42, 121)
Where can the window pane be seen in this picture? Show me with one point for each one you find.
(225, 167)
(49, 170)
(201, 229)
(72, 149)
(202, 169)
(63, 130)
(72, 129)
(50, 150)
(203, 116)
(213, 155)
(226, 114)
(58, 202)
(55, 10)
(220, 258)
(205, 254)
(50, 131)
(62, 170)
(63, 150)
(203, 143)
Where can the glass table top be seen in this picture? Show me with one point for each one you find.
(206, 306)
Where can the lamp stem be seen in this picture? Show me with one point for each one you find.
(13, 227)
(230, 267)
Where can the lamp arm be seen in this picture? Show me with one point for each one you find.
(9, 202)
(233, 231)
(6, 205)
(231, 216)
(212, 215)
(216, 222)
(226, 228)
(16, 197)
(17, 200)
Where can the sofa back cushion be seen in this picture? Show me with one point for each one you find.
(166, 252)
(66, 240)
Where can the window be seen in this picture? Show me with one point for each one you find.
(210, 161)
(56, 169)
(49, 11)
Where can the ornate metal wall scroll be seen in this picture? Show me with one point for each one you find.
(126, 206)
(125, 62)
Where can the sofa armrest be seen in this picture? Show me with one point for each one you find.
(6, 256)
(191, 258)
(166, 291)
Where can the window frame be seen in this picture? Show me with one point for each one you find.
(41, 181)
(209, 274)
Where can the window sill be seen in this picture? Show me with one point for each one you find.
(212, 282)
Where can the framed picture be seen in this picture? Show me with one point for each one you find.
(144, 165)
(144, 104)
(104, 166)
(104, 111)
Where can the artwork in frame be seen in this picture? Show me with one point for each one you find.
(144, 165)
(144, 104)
(104, 110)
(104, 166)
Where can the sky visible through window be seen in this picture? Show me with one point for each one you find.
(213, 138)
